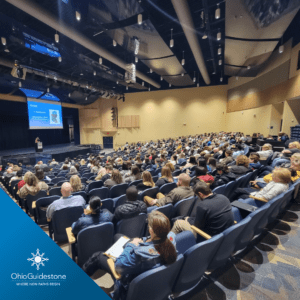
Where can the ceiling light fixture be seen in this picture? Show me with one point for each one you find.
(248, 67)
(69, 95)
(171, 40)
(136, 59)
(3, 41)
(126, 87)
(183, 60)
(170, 84)
(114, 43)
(194, 79)
(60, 59)
(143, 83)
(218, 12)
(161, 78)
(78, 16)
(219, 50)
(220, 62)
(20, 84)
(140, 19)
(281, 47)
(149, 89)
(198, 84)
(95, 73)
(219, 35)
(100, 60)
(48, 90)
(151, 70)
(204, 36)
(182, 74)
(56, 37)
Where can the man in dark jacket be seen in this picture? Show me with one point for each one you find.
(131, 208)
(212, 213)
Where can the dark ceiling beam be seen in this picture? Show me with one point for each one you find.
(251, 40)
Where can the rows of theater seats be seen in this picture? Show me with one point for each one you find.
(195, 257)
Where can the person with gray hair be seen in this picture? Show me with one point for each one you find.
(182, 191)
(67, 200)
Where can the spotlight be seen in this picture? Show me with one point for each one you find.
(143, 83)
(182, 74)
(219, 36)
(198, 84)
(183, 60)
(78, 16)
(161, 78)
(248, 67)
(60, 59)
(204, 36)
(127, 87)
(136, 59)
(48, 90)
(171, 40)
(281, 49)
(170, 84)
(56, 37)
(140, 19)
(219, 50)
(114, 43)
(218, 12)
(20, 84)
(151, 70)
(3, 41)
(220, 62)
(221, 79)
(69, 95)
(100, 60)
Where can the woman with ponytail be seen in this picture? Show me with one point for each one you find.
(139, 255)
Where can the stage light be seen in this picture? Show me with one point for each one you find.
(78, 16)
(183, 60)
(114, 43)
(218, 12)
(220, 62)
(219, 36)
(60, 59)
(95, 73)
(171, 40)
(20, 84)
(161, 78)
(281, 49)
(151, 70)
(100, 60)
(136, 59)
(56, 37)
(143, 83)
(182, 74)
(204, 36)
(220, 50)
(140, 19)
(3, 41)
(170, 84)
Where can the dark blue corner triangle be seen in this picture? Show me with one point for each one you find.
(23, 246)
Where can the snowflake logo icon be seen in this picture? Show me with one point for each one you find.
(37, 259)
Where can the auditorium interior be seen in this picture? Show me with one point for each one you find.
(113, 78)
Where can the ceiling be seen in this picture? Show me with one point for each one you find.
(80, 78)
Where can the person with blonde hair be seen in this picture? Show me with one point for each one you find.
(116, 178)
(147, 182)
(31, 186)
(285, 155)
(100, 174)
(266, 151)
(241, 167)
(76, 184)
(166, 177)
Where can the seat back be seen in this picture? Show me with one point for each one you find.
(118, 190)
(135, 182)
(57, 179)
(230, 187)
(63, 219)
(41, 208)
(133, 227)
(166, 210)
(93, 239)
(196, 260)
(184, 241)
(56, 191)
(157, 171)
(102, 192)
(82, 194)
(220, 189)
(30, 199)
(245, 179)
(61, 183)
(155, 178)
(119, 201)
(288, 196)
(176, 173)
(94, 185)
(182, 207)
(168, 187)
(227, 246)
(155, 284)
(149, 192)
(108, 204)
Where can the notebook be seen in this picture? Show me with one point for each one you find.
(117, 248)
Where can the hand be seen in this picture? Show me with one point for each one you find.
(153, 202)
(136, 241)
(87, 211)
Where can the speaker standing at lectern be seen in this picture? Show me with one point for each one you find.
(38, 145)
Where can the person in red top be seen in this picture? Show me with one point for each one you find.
(201, 175)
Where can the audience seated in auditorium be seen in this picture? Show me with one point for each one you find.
(266, 151)
(108, 169)
(286, 154)
(283, 137)
(281, 177)
(213, 213)
(254, 161)
(73, 171)
(134, 175)
(147, 182)
(228, 157)
(40, 165)
(132, 207)
(201, 175)
(181, 192)
(139, 255)
(18, 176)
(93, 215)
(116, 178)
(241, 167)
(67, 200)
(53, 162)
(76, 184)
(223, 175)
(240, 151)
(166, 177)
(41, 177)
(31, 186)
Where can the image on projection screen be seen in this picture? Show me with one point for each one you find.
(44, 114)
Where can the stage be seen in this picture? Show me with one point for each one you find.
(58, 152)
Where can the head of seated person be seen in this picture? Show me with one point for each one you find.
(166, 173)
(242, 160)
(266, 147)
(202, 162)
(295, 161)
(254, 158)
(294, 145)
(281, 175)
(75, 183)
(184, 180)
(95, 204)
(40, 174)
(66, 189)
(171, 166)
(116, 176)
(147, 179)
(132, 193)
(73, 170)
(222, 168)
(19, 173)
(202, 190)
